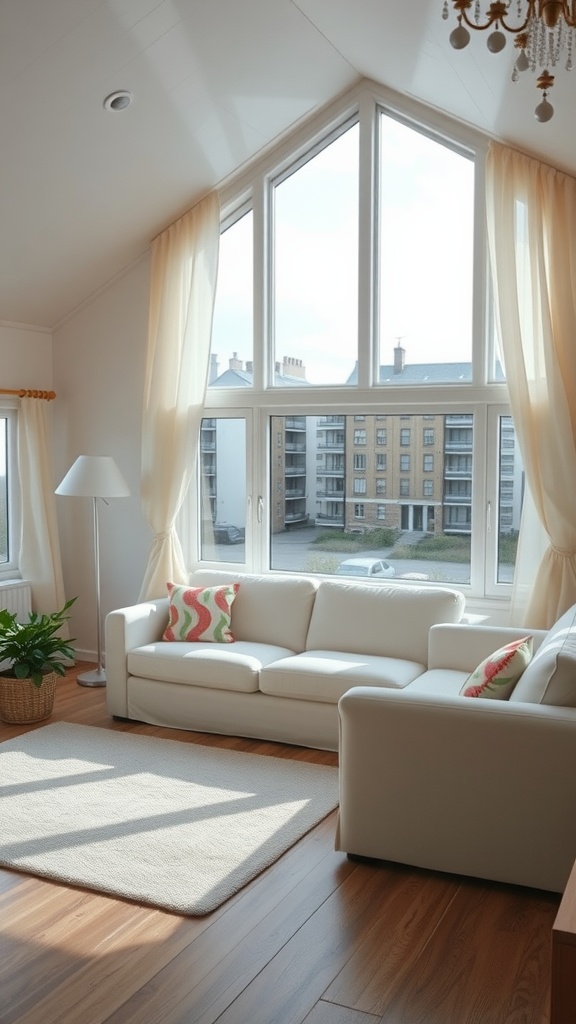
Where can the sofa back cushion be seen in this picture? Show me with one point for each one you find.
(267, 609)
(551, 675)
(390, 619)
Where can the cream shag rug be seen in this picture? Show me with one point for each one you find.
(163, 822)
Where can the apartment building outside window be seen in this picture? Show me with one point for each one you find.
(312, 380)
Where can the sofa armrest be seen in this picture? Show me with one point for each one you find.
(463, 647)
(475, 787)
(125, 629)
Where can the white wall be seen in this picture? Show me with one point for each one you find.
(99, 359)
(26, 357)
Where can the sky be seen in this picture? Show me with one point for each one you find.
(425, 247)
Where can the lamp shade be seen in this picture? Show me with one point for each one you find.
(94, 476)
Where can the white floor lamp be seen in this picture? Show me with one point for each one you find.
(95, 476)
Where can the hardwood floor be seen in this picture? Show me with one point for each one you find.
(316, 938)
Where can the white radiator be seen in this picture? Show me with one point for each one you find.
(16, 596)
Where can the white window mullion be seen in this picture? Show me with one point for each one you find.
(479, 503)
(263, 277)
(368, 355)
(260, 492)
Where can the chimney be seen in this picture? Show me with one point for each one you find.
(249, 366)
(235, 363)
(399, 358)
(293, 368)
(214, 369)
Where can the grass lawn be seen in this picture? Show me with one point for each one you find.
(442, 548)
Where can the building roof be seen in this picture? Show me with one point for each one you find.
(411, 373)
(425, 373)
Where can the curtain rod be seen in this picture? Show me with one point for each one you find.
(26, 393)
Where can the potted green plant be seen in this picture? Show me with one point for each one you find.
(37, 655)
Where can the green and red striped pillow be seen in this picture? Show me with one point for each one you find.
(200, 613)
(498, 674)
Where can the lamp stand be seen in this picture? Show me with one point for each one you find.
(97, 677)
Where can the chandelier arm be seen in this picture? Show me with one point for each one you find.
(569, 12)
(492, 18)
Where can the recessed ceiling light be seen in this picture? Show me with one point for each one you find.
(120, 100)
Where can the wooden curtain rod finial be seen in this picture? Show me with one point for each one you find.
(28, 393)
(33, 393)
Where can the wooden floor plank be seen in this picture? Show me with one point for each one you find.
(329, 1013)
(394, 939)
(489, 961)
(318, 951)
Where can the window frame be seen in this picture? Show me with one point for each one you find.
(479, 396)
(11, 568)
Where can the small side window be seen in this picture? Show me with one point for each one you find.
(9, 495)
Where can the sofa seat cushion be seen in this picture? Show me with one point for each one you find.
(220, 666)
(550, 678)
(324, 676)
(446, 682)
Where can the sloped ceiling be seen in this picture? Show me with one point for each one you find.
(83, 190)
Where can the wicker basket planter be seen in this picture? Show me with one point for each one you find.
(21, 702)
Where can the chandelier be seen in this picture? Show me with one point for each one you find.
(543, 31)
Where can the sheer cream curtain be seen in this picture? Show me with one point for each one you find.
(182, 290)
(39, 558)
(531, 210)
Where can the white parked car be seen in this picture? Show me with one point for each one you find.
(372, 567)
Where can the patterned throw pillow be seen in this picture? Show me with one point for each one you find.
(498, 674)
(200, 613)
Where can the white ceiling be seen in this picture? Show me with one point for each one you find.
(214, 81)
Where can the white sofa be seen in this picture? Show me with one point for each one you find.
(473, 786)
(299, 645)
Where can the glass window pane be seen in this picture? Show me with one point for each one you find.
(426, 258)
(419, 524)
(511, 494)
(223, 489)
(316, 266)
(4, 549)
(232, 328)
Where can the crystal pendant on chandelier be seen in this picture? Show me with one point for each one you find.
(460, 37)
(496, 41)
(544, 111)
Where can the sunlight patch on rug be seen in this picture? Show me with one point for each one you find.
(160, 821)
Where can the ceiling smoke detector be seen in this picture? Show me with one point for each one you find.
(120, 100)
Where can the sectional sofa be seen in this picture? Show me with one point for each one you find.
(299, 645)
(477, 786)
(428, 777)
